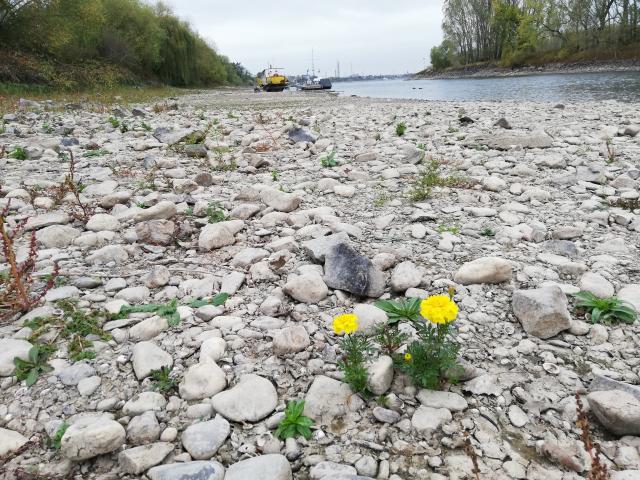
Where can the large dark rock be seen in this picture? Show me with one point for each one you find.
(345, 269)
(301, 135)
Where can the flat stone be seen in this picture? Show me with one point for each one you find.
(484, 270)
(617, 410)
(264, 467)
(202, 440)
(405, 275)
(10, 441)
(199, 470)
(57, 236)
(602, 383)
(280, 201)
(90, 437)
(144, 402)
(380, 375)
(11, 348)
(306, 288)
(437, 399)
(251, 400)
(596, 284)
(517, 416)
(427, 419)
(147, 356)
(291, 340)
(202, 380)
(328, 399)
(137, 460)
(143, 429)
(543, 312)
(327, 469)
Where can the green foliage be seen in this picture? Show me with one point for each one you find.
(429, 178)
(46, 128)
(400, 129)
(605, 310)
(73, 325)
(441, 56)
(146, 40)
(18, 153)
(29, 370)
(215, 213)
(403, 309)
(432, 358)
(170, 310)
(377, 137)
(55, 442)
(389, 338)
(488, 232)
(294, 423)
(275, 175)
(162, 381)
(445, 228)
(329, 161)
(115, 123)
(96, 153)
(356, 350)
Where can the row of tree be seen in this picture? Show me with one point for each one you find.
(147, 39)
(516, 31)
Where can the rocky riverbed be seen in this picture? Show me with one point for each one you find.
(226, 191)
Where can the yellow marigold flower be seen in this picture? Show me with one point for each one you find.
(347, 323)
(408, 357)
(439, 309)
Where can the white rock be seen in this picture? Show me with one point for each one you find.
(484, 270)
(90, 437)
(251, 400)
(380, 375)
(9, 349)
(202, 380)
(404, 276)
(306, 288)
(147, 356)
(263, 467)
(10, 441)
(202, 440)
(596, 284)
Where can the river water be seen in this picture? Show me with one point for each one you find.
(566, 87)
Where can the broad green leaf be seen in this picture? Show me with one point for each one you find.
(34, 352)
(32, 377)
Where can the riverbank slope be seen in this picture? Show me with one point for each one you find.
(275, 199)
(484, 70)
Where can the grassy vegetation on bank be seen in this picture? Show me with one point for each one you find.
(89, 44)
(99, 99)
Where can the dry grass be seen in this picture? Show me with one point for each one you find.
(97, 100)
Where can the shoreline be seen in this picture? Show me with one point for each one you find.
(495, 71)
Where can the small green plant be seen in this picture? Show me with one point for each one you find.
(18, 153)
(452, 130)
(377, 137)
(55, 442)
(432, 358)
(356, 350)
(74, 325)
(421, 146)
(2, 124)
(142, 205)
(231, 115)
(29, 370)
(214, 213)
(389, 338)
(124, 128)
(115, 123)
(146, 127)
(162, 381)
(605, 310)
(381, 199)
(445, 228)
(403, 309)
(329, 161)
(95, 153)
(430, 177)
(189, 212)
(46, 128)
(488, 232)
(611, 152)
(401, 128)
(294, 423)
(170, 310)
(275, 175)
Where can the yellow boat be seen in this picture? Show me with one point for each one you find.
(271, 80)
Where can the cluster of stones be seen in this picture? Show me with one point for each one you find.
(302, 246)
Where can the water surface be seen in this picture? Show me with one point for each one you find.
(567, 87)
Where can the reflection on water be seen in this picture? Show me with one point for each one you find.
(579, 87)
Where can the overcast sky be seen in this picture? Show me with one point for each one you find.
(370, 36)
